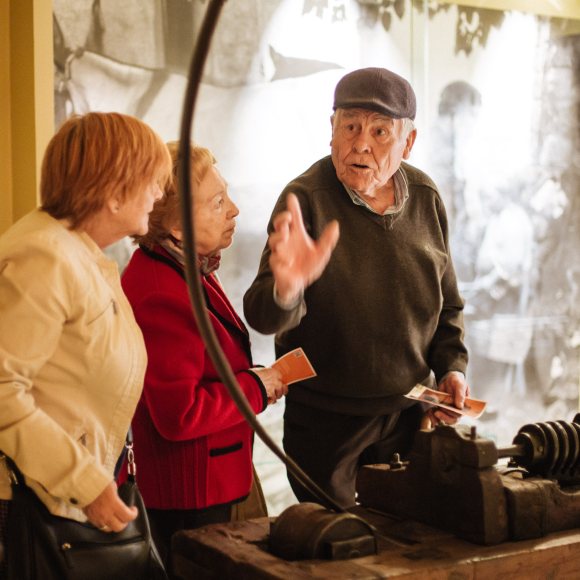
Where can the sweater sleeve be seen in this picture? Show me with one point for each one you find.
(183, 394)
(35, 291)
(447, 351)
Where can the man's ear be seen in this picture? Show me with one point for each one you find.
(332, 127)
(410, 142)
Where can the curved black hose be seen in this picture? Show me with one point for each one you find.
(192, 275)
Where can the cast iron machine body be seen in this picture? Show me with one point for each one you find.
(452, 481)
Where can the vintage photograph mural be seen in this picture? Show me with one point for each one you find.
(498, 130)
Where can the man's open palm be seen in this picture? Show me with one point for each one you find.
(297, 260)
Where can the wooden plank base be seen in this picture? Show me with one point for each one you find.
(407, 550)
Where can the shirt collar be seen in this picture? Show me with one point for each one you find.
(401, 195)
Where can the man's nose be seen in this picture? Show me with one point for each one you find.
(361, 143)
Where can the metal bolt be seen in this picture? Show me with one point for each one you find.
(396, 462)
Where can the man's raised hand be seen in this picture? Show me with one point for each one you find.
(296, 259)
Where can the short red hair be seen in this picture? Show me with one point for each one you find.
(95, 156)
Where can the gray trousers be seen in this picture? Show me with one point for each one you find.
(331, 447)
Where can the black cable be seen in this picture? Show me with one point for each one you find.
(220, 362)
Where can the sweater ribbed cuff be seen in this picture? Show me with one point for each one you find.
(286, 305)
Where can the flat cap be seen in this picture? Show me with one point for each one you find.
(377, 89)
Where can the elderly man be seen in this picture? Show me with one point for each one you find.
(381, 314)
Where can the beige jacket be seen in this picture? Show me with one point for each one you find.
(72, 363)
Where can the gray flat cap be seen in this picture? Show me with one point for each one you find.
(377, 89)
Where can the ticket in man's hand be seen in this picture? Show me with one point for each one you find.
(294, 366)
(472, 407)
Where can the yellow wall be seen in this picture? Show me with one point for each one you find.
(26, 102)
(5, 167)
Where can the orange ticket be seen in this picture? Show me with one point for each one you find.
(294, 366)
(472, 407)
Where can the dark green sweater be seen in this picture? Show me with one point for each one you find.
(385, 312)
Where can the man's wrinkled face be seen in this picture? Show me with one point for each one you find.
(367, 148)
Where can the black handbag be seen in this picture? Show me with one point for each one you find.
(42, 546)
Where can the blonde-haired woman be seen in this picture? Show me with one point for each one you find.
(193, 446)
(72, 357)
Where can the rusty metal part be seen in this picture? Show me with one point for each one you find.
(451, 481)
(573, 445)
(550, 449)
(309, 531)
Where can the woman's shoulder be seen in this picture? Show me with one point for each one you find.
(153, 272)
(36, 228)
(45, 257)
(49, 243)
(155, 259)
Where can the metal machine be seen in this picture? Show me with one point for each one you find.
(452, 481)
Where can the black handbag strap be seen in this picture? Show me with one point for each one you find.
(16, 477)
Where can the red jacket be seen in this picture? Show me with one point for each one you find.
(193, 448)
